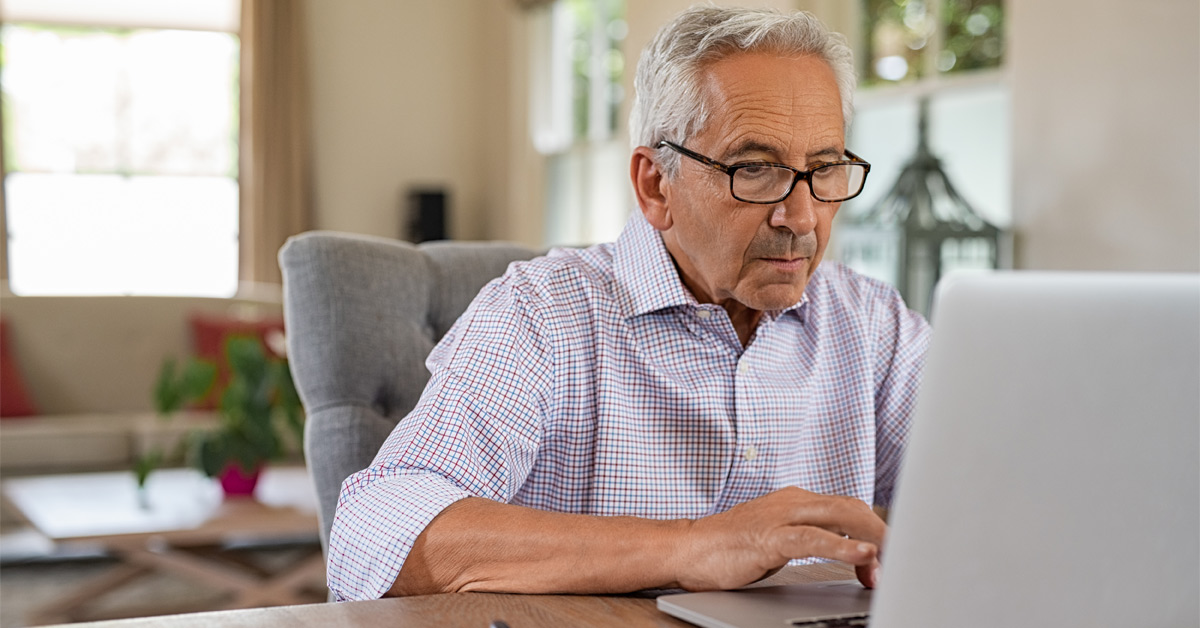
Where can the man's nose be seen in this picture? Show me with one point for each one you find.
(796, 213)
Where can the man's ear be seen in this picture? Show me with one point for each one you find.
(651, 187)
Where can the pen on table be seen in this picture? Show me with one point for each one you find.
(499, 623)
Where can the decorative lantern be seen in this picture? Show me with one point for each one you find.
(921, 230)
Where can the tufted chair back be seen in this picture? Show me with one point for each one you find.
(362, 314)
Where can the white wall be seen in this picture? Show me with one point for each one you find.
(1106, 134)
(407, 94)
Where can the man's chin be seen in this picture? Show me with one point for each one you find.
(774, 297)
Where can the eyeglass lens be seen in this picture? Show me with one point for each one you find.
(765, 184)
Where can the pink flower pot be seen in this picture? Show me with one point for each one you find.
(237, 482)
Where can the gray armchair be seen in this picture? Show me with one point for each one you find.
(362, 314)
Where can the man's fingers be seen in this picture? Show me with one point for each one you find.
(786, 524)
(843, 516)
(868, 575)
(810, 541)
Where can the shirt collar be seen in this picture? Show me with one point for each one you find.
(647, 279)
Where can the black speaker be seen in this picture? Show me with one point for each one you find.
(427, 214)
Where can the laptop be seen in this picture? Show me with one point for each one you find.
(1052, 476)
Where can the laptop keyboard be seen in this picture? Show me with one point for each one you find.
(850, 621)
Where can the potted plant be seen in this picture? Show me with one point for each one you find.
(258, 406)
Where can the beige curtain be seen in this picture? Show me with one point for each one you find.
(276, 135)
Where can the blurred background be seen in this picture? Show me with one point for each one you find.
(156, 155)
(1073, 124)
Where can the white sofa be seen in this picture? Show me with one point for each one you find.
(90, 363)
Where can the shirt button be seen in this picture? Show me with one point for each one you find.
(750, 453)
(703, 314)
(743, 367)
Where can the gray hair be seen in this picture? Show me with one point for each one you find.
(667, 102)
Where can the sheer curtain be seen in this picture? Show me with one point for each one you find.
(276, 135)
(576, 121)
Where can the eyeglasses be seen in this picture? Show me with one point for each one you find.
(765, 182)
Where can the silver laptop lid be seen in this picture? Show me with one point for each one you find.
(1053, 473)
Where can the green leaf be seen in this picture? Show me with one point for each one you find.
(197, 380)
(246, 358)
(143, 465)
(174, 389)
(167, 398)
(209, 453)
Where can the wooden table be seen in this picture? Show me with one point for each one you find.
(466, 610)
(175, 525)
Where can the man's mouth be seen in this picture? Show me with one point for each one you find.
(787, 263)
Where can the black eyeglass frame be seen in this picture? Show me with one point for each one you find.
(854, 160)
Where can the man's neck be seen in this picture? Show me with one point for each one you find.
(744, 319)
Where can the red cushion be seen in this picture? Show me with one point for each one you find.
(209, 333)
(14, 399)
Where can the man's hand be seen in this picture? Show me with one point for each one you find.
(751, 540)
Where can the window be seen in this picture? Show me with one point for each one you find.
(910, 39)
(950, 52)
(121, 158)
(578, 92)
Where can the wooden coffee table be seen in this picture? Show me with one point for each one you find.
(175, 526)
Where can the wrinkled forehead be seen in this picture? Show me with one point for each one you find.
(774, 106)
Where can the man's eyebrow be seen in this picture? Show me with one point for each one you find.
(748, 147)
(830, 153)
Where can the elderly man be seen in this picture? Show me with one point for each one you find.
(694, 405)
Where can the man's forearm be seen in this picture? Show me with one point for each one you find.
(481, 545)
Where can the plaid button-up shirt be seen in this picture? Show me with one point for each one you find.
(592, 382)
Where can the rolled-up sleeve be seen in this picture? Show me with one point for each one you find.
(475, 432)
